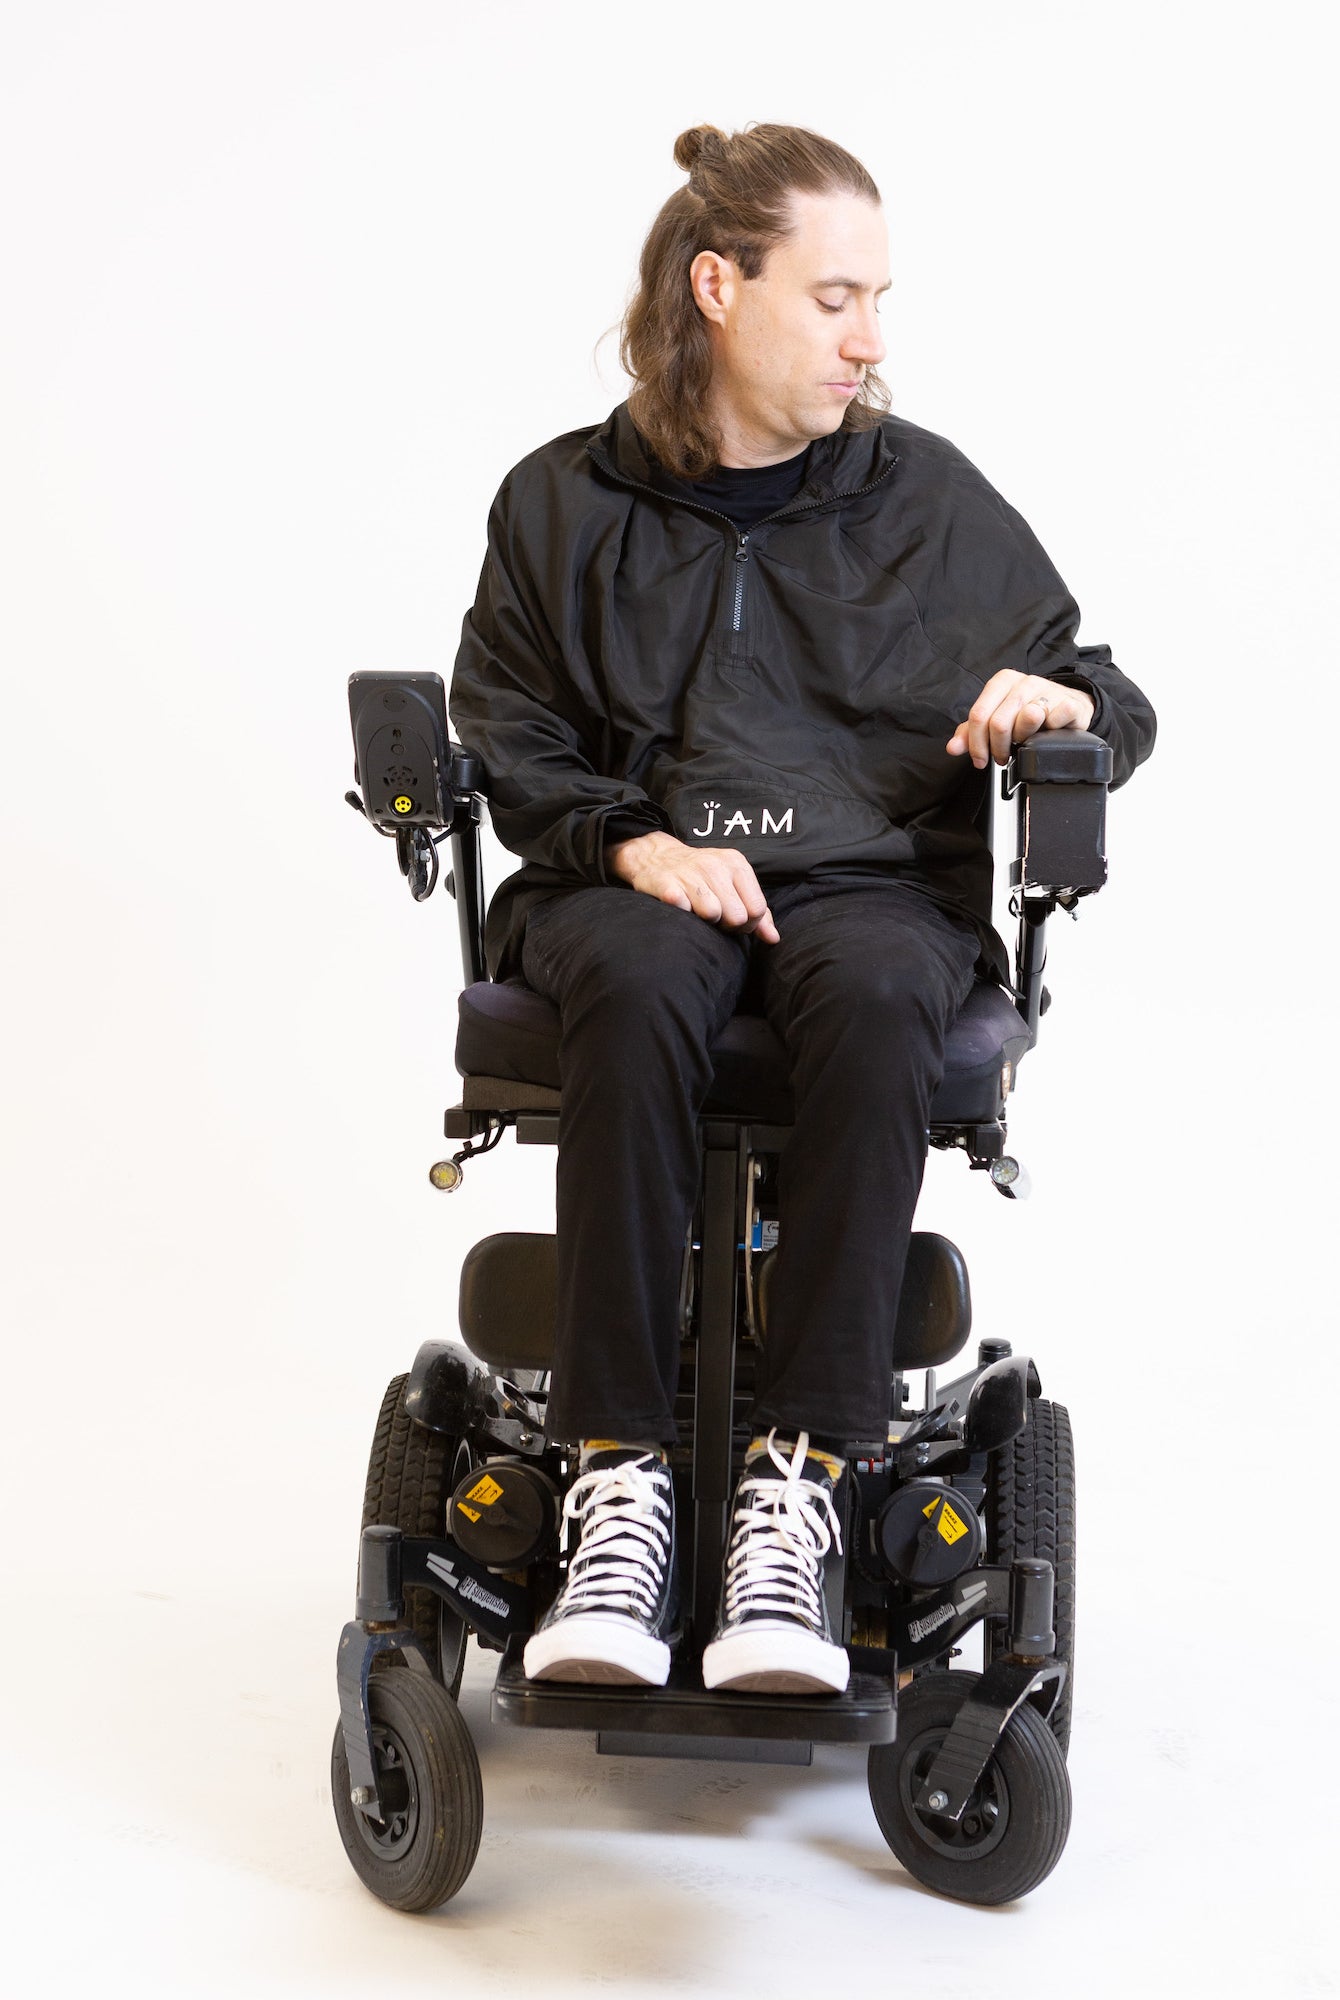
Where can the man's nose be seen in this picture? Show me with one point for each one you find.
(863, 342)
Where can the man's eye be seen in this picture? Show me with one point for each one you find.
(830, 309)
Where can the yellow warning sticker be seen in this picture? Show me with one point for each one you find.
(403, 804)
(485, 1491)
(949, 1525)
(471, 1513)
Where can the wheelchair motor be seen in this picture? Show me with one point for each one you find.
(921, 1538)
(504, 1513)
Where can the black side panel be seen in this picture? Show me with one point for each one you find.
(508, 1300)
(935, 1310)
(1062, 838)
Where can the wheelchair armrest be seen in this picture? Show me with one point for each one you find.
(415, 779)
(1059, 780)
(1059, 757)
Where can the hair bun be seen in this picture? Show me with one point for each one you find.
(699, 139)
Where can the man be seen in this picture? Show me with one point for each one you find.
(738, 666)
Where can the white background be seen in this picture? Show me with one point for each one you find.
(288, 288)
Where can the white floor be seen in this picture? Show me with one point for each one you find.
(169, 1827)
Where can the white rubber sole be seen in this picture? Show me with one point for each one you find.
(775, 1659)
(597, 1651)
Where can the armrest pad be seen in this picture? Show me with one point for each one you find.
(1059, 781)
(1059, 757)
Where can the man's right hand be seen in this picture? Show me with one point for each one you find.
(715, 883)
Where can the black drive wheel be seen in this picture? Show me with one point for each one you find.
(412, 1473)
(421, 1851)
(1016, 1822)
(1030, 1511)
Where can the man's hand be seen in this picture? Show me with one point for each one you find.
(715, 883)
(1013, 707)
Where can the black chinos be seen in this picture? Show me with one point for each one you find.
(861, 989)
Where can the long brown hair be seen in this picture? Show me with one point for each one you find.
(736, 202)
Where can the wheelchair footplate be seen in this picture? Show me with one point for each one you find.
(685, 1719)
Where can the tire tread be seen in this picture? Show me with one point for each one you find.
(408, 1486)
(1031, 1512)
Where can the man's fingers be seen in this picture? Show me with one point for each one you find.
(979, 730)
(1019, 716)
(976, 734)
(1068, 711)
(704, 902)
(717, 885)
(1007, 712)
(742, 902)
(734, 900)
(754, 902)
(993, 724)
(734, 915)
(993, 711)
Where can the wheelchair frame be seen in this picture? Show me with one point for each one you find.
(1059, 785)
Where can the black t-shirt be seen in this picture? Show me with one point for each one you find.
(749, 492)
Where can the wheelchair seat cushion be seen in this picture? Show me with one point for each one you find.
(509, 1031)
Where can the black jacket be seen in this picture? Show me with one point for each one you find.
(632, 661)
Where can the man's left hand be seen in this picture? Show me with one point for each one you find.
(1012, 707)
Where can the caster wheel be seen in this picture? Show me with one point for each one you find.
(1015, 1826)
(428, 1776)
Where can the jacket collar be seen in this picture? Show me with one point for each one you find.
(844, 462)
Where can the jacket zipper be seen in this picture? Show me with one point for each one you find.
(741, 555)
(782, 513)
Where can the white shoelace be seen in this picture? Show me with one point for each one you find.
(619, 1562)
(782, 1529)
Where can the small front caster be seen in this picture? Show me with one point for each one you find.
(1012, 1832)
(420, 1850)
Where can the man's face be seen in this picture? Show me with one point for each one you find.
(792, 345)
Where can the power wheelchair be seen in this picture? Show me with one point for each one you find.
(961, 1515)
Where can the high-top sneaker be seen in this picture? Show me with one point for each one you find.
(616, 1617)
(772, 1634)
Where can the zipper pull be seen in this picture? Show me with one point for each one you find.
(742, 553)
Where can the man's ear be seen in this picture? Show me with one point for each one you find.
(714, 279)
